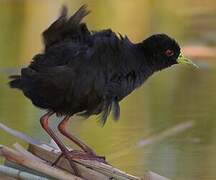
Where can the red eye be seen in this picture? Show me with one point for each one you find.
(169, 52)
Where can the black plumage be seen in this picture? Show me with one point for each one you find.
(89, 72)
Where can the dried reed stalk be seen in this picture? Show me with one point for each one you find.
(19, 158)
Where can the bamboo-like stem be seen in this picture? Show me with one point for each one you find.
(92, 170)
(108, 170)
(26, 153)
(15, 156)
(85, 172)
(18, 174)
(20, 135)
(6, 177)
(39, 154)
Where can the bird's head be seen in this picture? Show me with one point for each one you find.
(161, 51)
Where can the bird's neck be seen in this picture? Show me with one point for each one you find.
(148, 60)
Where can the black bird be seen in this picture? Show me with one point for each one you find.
(89, 72)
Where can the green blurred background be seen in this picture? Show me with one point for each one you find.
(170, 97)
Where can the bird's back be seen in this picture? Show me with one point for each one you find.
(80, 70)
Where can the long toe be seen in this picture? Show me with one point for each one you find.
(75, 154)
(70, 156)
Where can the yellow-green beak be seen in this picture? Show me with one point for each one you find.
(182, 60)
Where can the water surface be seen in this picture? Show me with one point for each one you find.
(174, 96)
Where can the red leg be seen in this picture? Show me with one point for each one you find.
(89, 153)
(44, 123)
(78, 142)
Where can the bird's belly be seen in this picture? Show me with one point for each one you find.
(73, 105)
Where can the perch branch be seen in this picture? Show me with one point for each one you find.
(17, 157)
(18, 174)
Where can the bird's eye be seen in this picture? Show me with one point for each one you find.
(169, 52)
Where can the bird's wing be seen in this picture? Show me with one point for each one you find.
(67, 28)
(47, 88)
(106, 63)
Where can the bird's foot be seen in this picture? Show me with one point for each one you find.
(76, 154)
(87, 156)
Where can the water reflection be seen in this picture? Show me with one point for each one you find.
(169, 97)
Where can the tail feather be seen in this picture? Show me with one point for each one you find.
(18, 81)
(15, 81)
(63, 27)
(78, 16)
